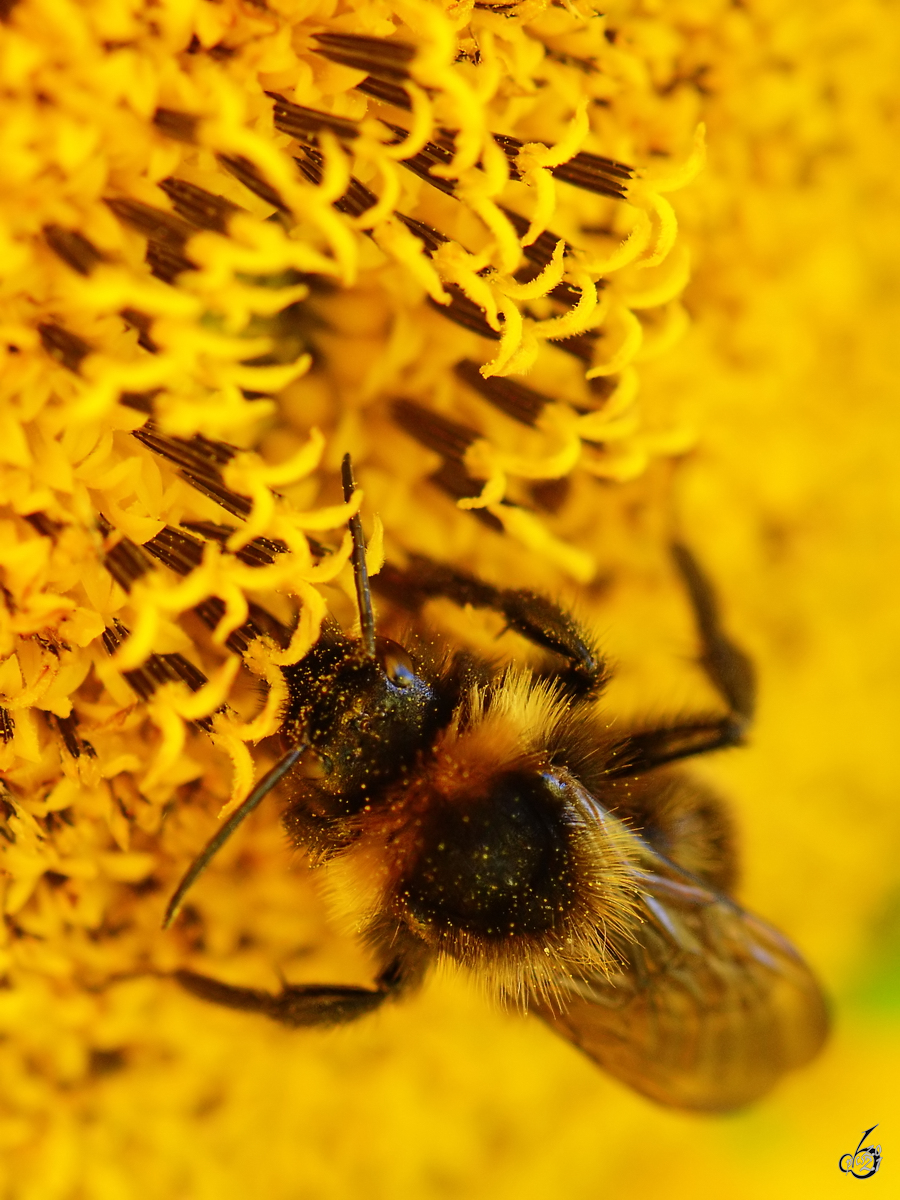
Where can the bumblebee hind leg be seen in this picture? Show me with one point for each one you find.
(306, 1005)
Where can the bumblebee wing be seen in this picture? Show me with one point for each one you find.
(708, 1007)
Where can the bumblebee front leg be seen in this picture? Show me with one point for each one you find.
(530, 614)
(304, 1005)
(728, 669)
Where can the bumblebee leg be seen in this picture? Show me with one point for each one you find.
(307, 1004)
(728, 669)
(534, 616)
(646, 749)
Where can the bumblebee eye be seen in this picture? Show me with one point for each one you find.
(395, 662)
(315, 766)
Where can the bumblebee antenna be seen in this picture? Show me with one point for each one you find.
(215, 844)
(360, 573)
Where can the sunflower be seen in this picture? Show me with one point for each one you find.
(481, 247)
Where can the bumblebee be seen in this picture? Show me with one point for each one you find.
(497, 817)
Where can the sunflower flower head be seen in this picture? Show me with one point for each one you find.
(239, 240)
